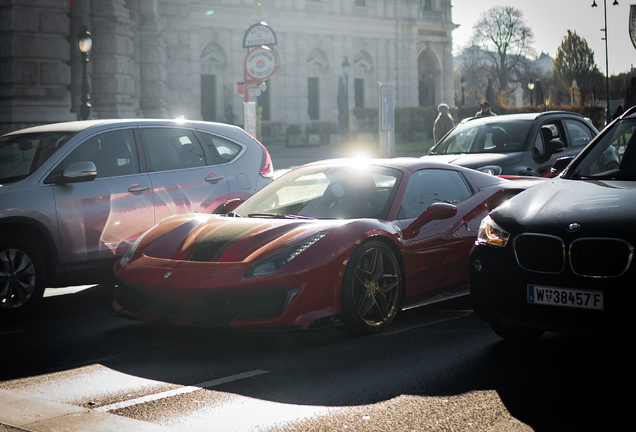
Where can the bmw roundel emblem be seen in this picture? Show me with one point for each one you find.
(574, 227)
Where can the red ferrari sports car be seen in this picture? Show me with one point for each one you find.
(333, 243)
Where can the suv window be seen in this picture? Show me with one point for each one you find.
(547, 133)
(113, 153)
(172, 149)
(580, 134)
(226, 149)
(22, 154)
(432, 185)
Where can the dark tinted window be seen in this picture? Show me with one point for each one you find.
(22, 154)
(172, 149)
(477, 137)
(430, 186)
(227, 150)
(113, 153)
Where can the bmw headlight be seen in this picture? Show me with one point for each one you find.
(491, 234)
(491, 169)
(282, 258)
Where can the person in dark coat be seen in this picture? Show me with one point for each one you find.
(485, 110)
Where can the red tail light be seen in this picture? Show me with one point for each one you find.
(267, 168)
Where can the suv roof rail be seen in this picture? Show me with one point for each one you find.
(544, 113)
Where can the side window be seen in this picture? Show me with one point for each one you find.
(432, 185)
(113, 153)
(580, 134)
(172, 149)
(547, 133)
(226, 149)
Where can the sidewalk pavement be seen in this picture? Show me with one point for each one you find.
(19, 412)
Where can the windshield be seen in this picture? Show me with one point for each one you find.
(22, 154)
(612, 157)
(322, 192)
(492, 137)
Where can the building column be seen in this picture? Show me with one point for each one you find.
(34, 70)
(152, 57)
(113, 90)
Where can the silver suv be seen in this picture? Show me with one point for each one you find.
(74, 196)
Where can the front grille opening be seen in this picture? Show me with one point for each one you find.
(228, 307)
(540, 253)
(600, 257)
(131, 299)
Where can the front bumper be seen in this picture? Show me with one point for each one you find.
(499, 295)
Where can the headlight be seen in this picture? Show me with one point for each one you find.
(491, 234)
(491, 169)
(131, 250)
(282, 258)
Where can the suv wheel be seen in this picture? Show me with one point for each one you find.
(22, 275)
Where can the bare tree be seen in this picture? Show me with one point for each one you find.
(506, 40)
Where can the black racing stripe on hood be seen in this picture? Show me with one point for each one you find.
(211, 247)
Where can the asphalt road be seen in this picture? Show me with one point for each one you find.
(436, 368)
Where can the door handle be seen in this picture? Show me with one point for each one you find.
(213, 178)
(138, 188)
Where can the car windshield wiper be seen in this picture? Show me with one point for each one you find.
(278, 216)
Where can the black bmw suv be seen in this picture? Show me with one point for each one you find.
(559, 256)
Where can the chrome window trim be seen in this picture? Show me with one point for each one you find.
(629, 257)
(514, 248)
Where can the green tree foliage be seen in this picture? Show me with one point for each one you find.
(506, 40)
(575, 61)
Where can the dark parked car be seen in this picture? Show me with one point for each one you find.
(74, 196)
(559, 256)
(515, 144)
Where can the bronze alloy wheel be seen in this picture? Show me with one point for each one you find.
(371, 289)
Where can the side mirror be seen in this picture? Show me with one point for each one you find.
(76, 172)
(560, 164)
(435, 211)
(555, 146)
(232, 204)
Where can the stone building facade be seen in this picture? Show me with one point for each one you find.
(167, 58)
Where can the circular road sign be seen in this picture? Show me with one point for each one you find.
(260, 63)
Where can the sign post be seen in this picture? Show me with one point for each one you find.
(387, 120)
(260, 64)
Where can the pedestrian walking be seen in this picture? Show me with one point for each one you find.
(619, 112)
(443, 123)
(485, 110)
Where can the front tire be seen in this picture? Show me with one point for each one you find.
(371, 289)
(22, 276)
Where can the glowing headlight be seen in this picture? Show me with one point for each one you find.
(282, 258)
(491, 234)
(491, 169)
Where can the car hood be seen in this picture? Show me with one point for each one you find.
(550, 207)
(228, 239)
(478, 160)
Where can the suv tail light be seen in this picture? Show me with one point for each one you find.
(267, 168)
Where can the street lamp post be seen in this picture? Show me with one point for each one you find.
(84, 43)
(607, 109)
(346, 68)
(462, 82)
(531, 87)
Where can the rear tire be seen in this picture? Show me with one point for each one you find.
(371, 289)
(22, 276)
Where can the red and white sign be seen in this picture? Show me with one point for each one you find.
(260, 63)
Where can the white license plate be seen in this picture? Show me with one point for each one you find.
(565, 297)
